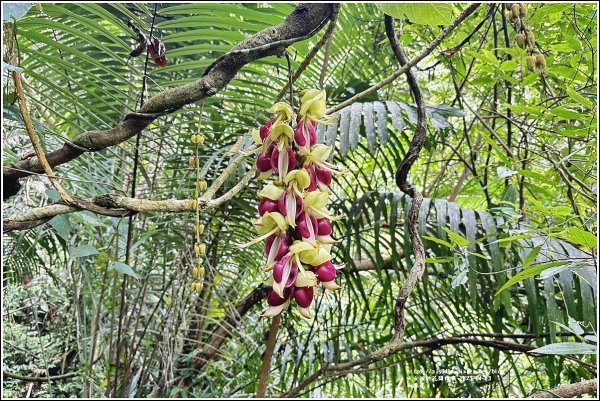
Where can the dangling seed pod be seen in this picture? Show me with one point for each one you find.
(530, 39)
(521, 40)
(531, 60)
(201, 186)
(540, 62)
(522, 9)
(197, 286)
(198, 272)
(515, 12)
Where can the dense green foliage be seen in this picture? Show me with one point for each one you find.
(509, 220)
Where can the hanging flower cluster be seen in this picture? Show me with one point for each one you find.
(294, 220)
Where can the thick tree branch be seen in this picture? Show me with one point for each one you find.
(569, 390)
(305, 19)
(314, 50)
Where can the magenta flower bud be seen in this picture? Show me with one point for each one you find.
(324, 176)
(286, 160)
(326, 272)
(306, 226)
(285, 268)
(269, 243)
(286, 204)
(299, 135)
(267, 205)
(303, 296)
(263, 163)
(265, 128)
(283, 248)
(275, 300)
(313, 178)
(282, 243)
(324, 227)
(312, 133)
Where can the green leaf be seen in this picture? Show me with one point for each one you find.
(531, 256)
(439, 241)
(573, 94)
(566, 349)
(125, 269)
(438, 260)
(62, 226)
(579, 237)
(532, 271)
(83, 250)
(419, 13)
(459, 239)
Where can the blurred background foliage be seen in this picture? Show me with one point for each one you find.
(62, 295)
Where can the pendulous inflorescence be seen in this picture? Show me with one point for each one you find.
(294, 220)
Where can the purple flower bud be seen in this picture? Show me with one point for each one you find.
(263, 163)
(312, 133)
(285, 269)
(287, 160)
(267, 205)
(313, 178)
(303, 296)
(283, 246)
(299, 135)
(324, 227)
(275, 300)
(306, 226)
(265, 128)
(286, 204)
(324, 176)
(326, 272)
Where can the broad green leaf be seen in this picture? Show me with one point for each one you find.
(566, 349)
(579, 237)
(83, 250)
(573, 94)
(459, 239)
(439, 241)
(531, 256)
(420, 13)
(125, 269)
(62, 226)
(532, 271)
